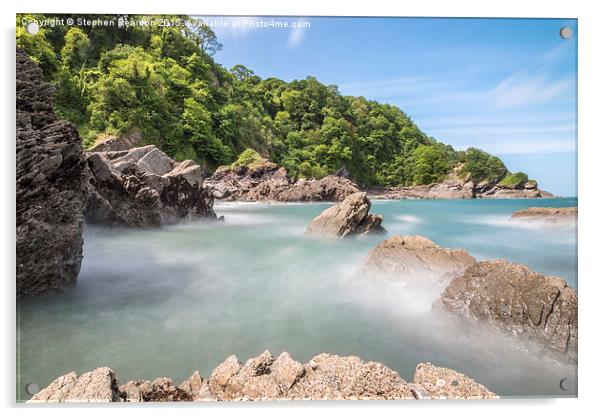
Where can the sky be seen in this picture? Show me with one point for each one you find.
(507, 86)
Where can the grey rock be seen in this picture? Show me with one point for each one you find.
(347, 218)
(512, 298)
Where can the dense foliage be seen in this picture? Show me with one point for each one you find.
(162, 83)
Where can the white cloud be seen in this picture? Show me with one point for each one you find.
(297, 34)
(521, 89)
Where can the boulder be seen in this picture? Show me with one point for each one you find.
(431, 382)
(566, 216)
(347, 218)
(143, 187)
(324, 377)
(51, 188)
(99, 385)
(416, 258)
(512, 298)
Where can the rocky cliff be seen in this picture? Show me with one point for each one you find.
(324, 377)
(51, 182)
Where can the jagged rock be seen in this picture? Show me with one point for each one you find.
(514, 299)
(113, 143)
(143, 187)
(350, 217)
(267, 181)
(566, 216)
(99, 385)
(432, 382)
(324, 377)
(51, 188)
(416, 258)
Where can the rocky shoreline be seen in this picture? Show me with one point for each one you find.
(324, 377)
(559, 216)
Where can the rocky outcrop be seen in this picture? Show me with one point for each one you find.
(143, 187)
(457, 186)
(564, 216)
(324, 377)
(416, 258)
(267, 181)
(99, 385)
(51, 188)
(114, 143)
(514, 299)
(347, 218)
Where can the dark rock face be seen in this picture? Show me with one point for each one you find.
(347, 218)
(51, 184)
(143, 187)
(324, 377)
(514, 299)
(269, 182)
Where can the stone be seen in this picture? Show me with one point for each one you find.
(51, 188)
(416, 258)
(559, 216)
(431, 382)
(347, 218)
(99, 385)
(142, 187)
(324, 377)
(513, 299)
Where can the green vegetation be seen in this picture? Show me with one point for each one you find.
(248, 158)
(161, 82)
(513, 180)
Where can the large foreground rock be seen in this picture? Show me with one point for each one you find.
(350, 217)
(324, 377)
(514, 299)
(416, 259)
(560, 216)
(51, 188)
(99, 385)
(267, 181)
(143, 187)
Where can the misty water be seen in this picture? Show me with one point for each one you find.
(165, 302)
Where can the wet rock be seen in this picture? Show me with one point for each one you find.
(514, 299)
(99, 385)
(347, 218)
(432, 382)
(51, 188)
(143, 187)
(560, 216)
(416, 258)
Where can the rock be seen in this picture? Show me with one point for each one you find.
(350, 217)
(324, 377)
(143, 187)
(113, 143)
(432, 382)
(512, 298)
(51, 188)
(98, 385)
(416, 258)
(266, 181)
(565, 216)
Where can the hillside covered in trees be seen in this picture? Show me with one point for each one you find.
(162, 83)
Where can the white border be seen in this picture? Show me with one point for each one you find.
(590, 155)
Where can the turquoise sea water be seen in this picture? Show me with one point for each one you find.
(165, 302)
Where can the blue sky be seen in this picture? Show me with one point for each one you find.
(507, 86)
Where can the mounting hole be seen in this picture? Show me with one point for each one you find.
(566, 32)
(32, 28)
(564, 384)
(32, 388)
